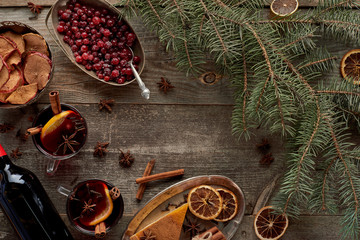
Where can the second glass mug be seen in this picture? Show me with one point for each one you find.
(85, 196)
(54, 160)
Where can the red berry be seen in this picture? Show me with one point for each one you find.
(131, 37)
(78, 59)
(136, 59)
(107, 32)
(106, 78)
(84, 48)
(100, 75)
(128, 71)
(121, 80)
(115, 73)
(85, 56)
(100, 44)
(60, 29)
(115, 61)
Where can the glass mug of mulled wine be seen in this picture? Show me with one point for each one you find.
(93, 207)
(59, 136)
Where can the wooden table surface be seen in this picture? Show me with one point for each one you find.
(190, 128)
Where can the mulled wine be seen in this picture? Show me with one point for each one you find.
(62, 135)
(94, 202)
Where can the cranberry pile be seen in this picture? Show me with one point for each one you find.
(99, 41)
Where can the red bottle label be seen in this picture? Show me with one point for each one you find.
(2, 151)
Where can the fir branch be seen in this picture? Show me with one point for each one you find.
(324, 183)
(245, 89)
(160, 19)
(338, 92)
(299, 40)
(215, 29)
(317, 62)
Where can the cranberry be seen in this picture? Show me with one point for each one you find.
(84, 48)
(104, 11)
(60, 28)
(114, 55)
(75, 23)
(79, 42)
(107, 56)
(76, 54)
(106, 78)
(123, 63)
(86, 41)
(60, 12)
(100, 75)
(77, 35)
(103, 20)
(121, 45)
(103, 50)
(66, 38)
(82, 24)
(97, 66)
(87, 29)
(105, 39)
(65, 16)
(108, 45)
(91, 25)
(84, 34)
(128, 71)
(96, 60)
(121, 80)
(100, 44)
(136, 67)
(97, 13)
(107, 32)
(74, 48)
(78, 59)
(115, 73)
(123, 28)
(131, 37)
(74, 29)
(83, 17)
(110, 23)
(88, 67)
(71, 42)
(115, 61)
(114, 42)
(95, 48)
(136, 59)
(107, 71)
(123, 71)
(85, 56)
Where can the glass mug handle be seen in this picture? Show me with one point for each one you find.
(52, 166)
(64, 191)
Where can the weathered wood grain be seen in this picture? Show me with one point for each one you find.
(77, 87)
(20, 3)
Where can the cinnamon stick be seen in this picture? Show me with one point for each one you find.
(160, 176)
(147, 172)
(55, 102)
(216, 234)
(100, 230)
(33, 131)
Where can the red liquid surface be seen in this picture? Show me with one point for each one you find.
(93, 193)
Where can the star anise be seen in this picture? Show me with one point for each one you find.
(15, 153)
(148, 235)
(88, 207)
(267, 159)
(106, 103)
(192, 227)
(35, 9)
(126, 159)
(4, 128)
(264, 146)
(165, 85)
(68, 143)
(100, 149)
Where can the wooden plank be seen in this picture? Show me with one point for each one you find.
(21, 3)
(77, 87)
(305, 228)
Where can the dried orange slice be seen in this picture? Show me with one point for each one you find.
(229, 206)
(268, 225)
(284, 8)
(103, 207)
(205, 202)
(350, 65)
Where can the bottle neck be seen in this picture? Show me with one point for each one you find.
(4, 159)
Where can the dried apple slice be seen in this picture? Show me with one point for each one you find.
(14, 59)
(14, 81)
(35, 43)
(37, 68)
(6, 47)
(17, 39)
(3, 97)
(23, 94)
(4, 72)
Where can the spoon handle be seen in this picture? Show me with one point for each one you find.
(145, 91)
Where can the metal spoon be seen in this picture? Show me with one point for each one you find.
(145, 91)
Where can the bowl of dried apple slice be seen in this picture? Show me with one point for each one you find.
(25, 65)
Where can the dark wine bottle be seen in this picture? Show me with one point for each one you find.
(27, 205)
